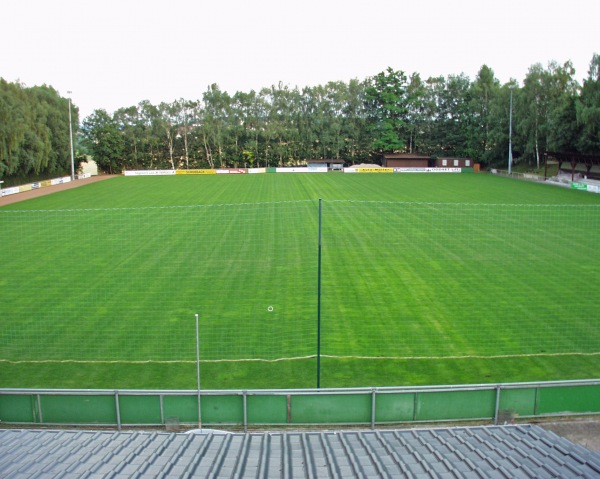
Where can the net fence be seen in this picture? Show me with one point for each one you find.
(457, 280)
(399, 280)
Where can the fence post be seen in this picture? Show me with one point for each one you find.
(39, 407)
(117, 409)
(162, 409)
(373, 407)
(245, 406)
(497, 407)
(415, 405)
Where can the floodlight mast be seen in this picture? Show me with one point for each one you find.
(510, 157)
(71, 139)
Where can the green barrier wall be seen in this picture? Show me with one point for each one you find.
(580, 400)
(225, 409)
(140, 409)
(331, 408)
(18, 408)
(522, 402)
(268, 409)
(395, 407)
(75, 409)
(295, 407)
(453, 405)
(184, 408)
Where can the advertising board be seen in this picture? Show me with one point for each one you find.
(149, 172)
(301, 169)
(375, 170)
(427, 170)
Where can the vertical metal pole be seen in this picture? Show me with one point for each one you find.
(71, 141)
(162, 409)
(415, 406)
(117, 410)
(497, 407)
(319, 296)
(245, 409)
(373, 407)
(510, 133)
(198, 372)
(40, 414)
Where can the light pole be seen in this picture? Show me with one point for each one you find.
(510, 158)
(71, 139)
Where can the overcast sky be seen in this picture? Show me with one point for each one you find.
(114, 54)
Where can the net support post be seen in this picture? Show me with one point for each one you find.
(198, 372)
(319, 294)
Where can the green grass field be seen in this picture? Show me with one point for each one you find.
(426, 279)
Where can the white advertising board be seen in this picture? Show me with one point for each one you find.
(427, 170)
(60, 181)
(10, 191)
(149, 172)
(301, 169)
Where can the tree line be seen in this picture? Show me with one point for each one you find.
(34, 131)
(354, 121)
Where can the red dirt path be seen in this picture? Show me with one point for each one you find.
(48, 190)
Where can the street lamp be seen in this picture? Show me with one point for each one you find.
(71, 139)
(510, 158)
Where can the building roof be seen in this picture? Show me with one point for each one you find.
(406, 156)
(515, 451)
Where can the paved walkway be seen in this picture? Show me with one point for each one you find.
(584, 431)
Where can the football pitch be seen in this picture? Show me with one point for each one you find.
(391, 279)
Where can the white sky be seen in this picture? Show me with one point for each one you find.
(114, 54)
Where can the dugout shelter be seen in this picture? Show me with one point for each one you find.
(574, 164)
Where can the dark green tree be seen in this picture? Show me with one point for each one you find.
(105, 141)
(387, 110)
(485, 90)
(588, 110)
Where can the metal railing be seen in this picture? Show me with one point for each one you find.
(497, 403)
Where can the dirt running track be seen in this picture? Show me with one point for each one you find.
(48, 190)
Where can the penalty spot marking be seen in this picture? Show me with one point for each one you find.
(270, 309)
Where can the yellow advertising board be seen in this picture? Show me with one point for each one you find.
(196, 172)
(375, 170)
